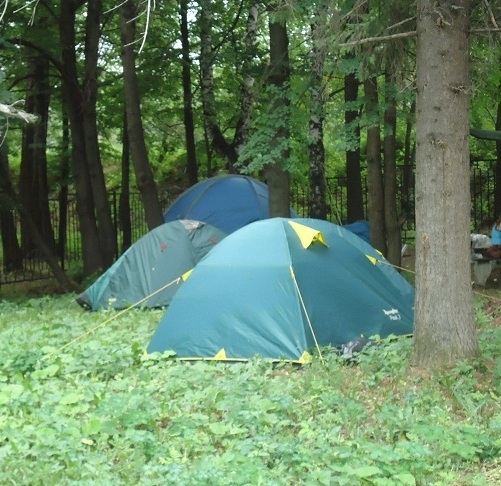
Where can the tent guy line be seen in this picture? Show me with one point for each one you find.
(112, 318)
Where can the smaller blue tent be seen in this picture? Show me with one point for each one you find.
(151, 268)
(227, 202)
(279, 287)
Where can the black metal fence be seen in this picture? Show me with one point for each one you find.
(35, 268)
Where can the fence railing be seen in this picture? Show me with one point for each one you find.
(34, 266)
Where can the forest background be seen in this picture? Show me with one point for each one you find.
(300, 91)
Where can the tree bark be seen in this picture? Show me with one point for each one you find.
(189, 126)
(407, 193)
(72, 98)
(106, 228)
(33, 183)
(392, 224)
(277, 176)
(243, 125)
(139, 153)
(497, 193)
(444, 322)
(355, 206)
(215, 136)
(11, 250)
(124, 203)
(318, 187)
(13, 201)
(375, 188)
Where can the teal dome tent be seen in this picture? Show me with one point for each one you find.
(278, 288)
(150, 270)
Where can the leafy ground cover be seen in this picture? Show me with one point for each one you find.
(98, 411)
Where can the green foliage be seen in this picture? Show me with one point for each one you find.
(100, 411)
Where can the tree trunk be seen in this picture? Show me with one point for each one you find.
(13, 201)
(243, 125)
(72, 98)
(497, 192)
(317, 197)
(355, 204)
(392, 224)
(33, 184)
(407, 193)
(444, 322)
(375, 189)
(139, 153)
(11, 250)
(277, 177)
(63, 191)
(106, 228)
(215, 136)
(189, 126)
(124, 203)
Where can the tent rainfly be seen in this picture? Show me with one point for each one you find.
(278, 288)
(150, 270)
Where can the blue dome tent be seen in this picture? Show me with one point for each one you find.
(227, 202)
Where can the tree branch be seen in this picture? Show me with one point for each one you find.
(11, 112)
(382, 38)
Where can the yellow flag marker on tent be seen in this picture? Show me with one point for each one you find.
(221, 355)
(308, 235)
(372, 259)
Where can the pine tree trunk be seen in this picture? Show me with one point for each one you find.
(444, 322)
(375, 189)
(139, 153)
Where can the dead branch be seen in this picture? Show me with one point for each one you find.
(10, 111)
(382, 38)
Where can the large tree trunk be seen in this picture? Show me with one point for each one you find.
(393, 236)
(317, 198)
(277, 176)
(444, 323)
(189, 126)
(33, 184)
(375, 190)
(355, 204)
(72, 98)
(139, 153)
(106, 228)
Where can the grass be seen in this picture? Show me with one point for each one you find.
(100, 412)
